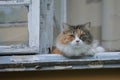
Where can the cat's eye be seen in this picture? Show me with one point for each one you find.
(83, 37)
(71, 35)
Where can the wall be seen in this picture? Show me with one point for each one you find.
(111, 23)
(79, 11)
(98, 74)
(13, 35)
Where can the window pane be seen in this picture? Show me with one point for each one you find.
(13, 25)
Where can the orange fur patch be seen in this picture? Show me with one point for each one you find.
(65, 38)
(56, 51)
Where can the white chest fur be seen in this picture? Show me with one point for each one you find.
(70, 51)
(80, 51)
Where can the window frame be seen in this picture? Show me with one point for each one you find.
(33, 32)
(43, 61)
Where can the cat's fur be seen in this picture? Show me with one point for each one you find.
(75, 41)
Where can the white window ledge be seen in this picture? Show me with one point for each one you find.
(58, 62)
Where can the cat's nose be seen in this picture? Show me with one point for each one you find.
(77, 41)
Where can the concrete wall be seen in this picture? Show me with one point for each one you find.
(79, 11)
(111, 23)
(13, 35)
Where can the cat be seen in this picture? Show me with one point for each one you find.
(76, 41)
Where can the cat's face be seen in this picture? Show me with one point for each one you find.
(76, 36)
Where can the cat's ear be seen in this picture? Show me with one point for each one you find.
(87, 26)
(65, 26)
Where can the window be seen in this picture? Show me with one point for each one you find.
(17, 20)
(42, 16)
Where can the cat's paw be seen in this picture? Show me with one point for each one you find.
(90, 52)
(100, 49)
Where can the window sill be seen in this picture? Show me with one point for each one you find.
(58, 62)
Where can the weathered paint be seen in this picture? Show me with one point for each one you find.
(46, 25)
(58, 62)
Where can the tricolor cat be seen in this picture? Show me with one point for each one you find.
(76, 41)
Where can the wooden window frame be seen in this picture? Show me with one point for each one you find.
(33, 28)
(44, 61)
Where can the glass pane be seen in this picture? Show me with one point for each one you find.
(13, 25)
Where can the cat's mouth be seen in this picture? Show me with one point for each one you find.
(76, 46)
